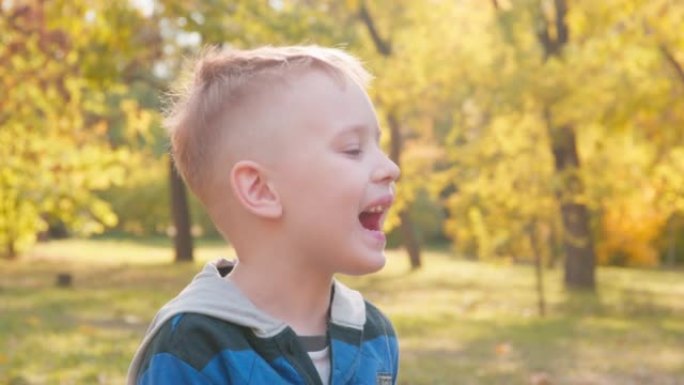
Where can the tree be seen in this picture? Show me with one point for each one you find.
(605, 95)
(67, 119)
(41, 116)
(578, 243)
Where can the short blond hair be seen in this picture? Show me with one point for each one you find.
(223, 77)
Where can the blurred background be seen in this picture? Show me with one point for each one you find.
(538, 235)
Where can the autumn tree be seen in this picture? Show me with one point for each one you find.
(580, 261)
(585, 93)
(58, 144)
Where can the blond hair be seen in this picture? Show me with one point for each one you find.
(221, 78)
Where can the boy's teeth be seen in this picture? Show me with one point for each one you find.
(375, 209)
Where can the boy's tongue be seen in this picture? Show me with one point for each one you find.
(370, 221)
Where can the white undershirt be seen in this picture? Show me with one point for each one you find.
(321, 360)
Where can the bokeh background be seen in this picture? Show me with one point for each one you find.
(538, 236)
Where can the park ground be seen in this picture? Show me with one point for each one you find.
(459, 321)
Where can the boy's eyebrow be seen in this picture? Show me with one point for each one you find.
(363, 128)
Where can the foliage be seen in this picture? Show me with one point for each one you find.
(474, 107)
(142, 203)
(68, 123)
(614, 84)
(630, 229)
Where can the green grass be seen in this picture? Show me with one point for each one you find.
(459, 322)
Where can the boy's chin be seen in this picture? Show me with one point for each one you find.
(366, 264)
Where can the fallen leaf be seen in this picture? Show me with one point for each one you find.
(502, 349)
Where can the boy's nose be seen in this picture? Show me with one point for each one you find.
(387, 171)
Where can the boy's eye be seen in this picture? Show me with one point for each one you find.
(353, 152)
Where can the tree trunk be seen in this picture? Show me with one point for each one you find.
(10, 250)
(181, 216)
(670, 260)
(538, 267)
(408, 233)
(410, 242)
(579, 250)
(10, 222)
(577, 238)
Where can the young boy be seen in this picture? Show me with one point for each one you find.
(281, 146)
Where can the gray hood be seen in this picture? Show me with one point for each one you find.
(212, 295)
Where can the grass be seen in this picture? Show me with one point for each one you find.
(459, 322)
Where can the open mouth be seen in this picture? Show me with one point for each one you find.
(371, 218)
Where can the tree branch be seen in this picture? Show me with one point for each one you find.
(673, 61)
(561, 25)
(545, 38)
(384, 47)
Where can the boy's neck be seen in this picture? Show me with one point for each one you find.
(295, 295)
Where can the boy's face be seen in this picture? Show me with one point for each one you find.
(334, 182)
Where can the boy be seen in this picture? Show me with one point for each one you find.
(281, 146)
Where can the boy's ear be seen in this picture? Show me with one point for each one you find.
(253, 190)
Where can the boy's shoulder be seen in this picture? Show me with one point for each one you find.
(377, 323)
(185, 328)
(196, 339)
